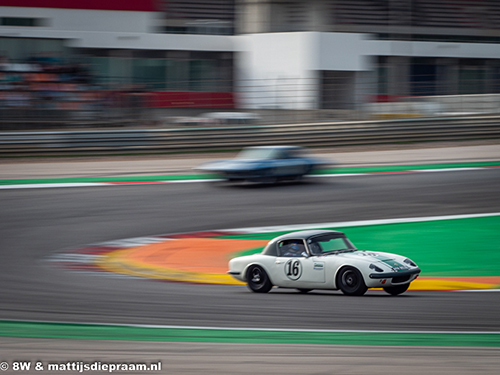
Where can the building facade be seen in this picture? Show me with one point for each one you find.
(291, 54)
(349, 52)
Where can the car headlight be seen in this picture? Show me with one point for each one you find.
(410, 262)
(376, 268)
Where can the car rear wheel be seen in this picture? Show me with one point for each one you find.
(350, 281)
(396, 289)
(257, 280)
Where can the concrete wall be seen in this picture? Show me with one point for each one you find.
(84, 20)
(275, 70)
(341, 51)
(439, 105)
(108, 29)
(283, 70)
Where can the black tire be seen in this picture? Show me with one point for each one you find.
(257, 280)
(304, 290)
(299, 177)
(396, 289)
(269, 176)
(350, 282)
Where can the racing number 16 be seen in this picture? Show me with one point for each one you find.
(293, 269)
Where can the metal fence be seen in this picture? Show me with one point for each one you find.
(69, 105)
(233, 138)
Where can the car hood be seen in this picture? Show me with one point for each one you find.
(392, 261)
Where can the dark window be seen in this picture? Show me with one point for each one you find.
(21, 21)
(423, 79)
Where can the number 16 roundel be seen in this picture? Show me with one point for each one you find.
(293, 269)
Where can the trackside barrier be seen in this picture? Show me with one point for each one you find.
(233, 138)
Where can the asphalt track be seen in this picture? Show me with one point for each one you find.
(38, 222)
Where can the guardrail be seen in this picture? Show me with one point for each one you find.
(232, 138)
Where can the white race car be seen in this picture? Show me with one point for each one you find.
(323, 259)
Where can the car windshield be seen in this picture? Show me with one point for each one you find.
(258, 153)
(330, 244)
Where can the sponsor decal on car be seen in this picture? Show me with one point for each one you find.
(395, 266)
(319, 266)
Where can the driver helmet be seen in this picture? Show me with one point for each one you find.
(315, 248)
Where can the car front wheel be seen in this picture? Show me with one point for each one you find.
(396, 289)
(350, 281)
(257, 280)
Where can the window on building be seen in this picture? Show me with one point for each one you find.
(382, 76)
(149, 73)
(29, 49)
(289, 16)
(202, 75)
(22, 21)
(177, 75)
(471, 79)
(423, 77)
(495, 79)
(337, 89)
(100, 69)
(214, 17)
(161, 70)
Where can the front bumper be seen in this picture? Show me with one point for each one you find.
(390, 275)
(395, 278)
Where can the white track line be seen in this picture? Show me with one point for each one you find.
(54, 185)
(92, 184)
(282, 228)
(252, 329)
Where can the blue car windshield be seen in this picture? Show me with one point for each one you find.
(329, 244)
(258, 153)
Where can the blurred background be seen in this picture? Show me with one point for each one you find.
(167, 63)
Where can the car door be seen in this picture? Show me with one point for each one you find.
(286, 165)
(296, 268)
